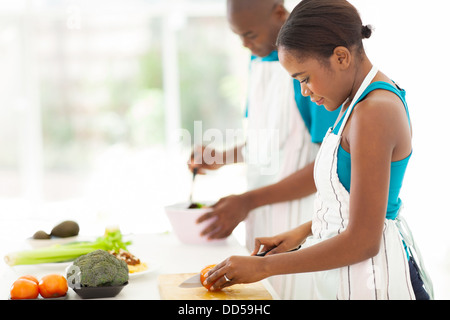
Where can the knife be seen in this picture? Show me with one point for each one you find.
(194, 281)
(262, 254)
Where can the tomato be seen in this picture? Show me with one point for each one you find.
(24, 289)
(203, 277)
(29, 277)
(53, 286)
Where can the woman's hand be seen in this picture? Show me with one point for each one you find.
(234, 270)
(274, 245)
(283, 242)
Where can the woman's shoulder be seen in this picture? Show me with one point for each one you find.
(381, 103)
(380, 109)
(380, 116)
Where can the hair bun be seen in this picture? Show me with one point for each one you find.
(366, 31)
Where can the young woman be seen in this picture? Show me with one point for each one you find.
(355, 243)
(284, 132)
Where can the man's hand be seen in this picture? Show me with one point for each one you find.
(204, 158)
(226, 214)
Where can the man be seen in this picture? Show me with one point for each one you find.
(284, 130)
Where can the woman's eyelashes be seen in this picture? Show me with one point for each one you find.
(305, 80)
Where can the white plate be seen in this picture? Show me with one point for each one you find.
(152, 267)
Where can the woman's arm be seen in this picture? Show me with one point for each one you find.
(372, 139)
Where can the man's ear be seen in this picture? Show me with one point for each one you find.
(341, 58)
(280, 12)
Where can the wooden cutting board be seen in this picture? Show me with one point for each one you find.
(169, 290)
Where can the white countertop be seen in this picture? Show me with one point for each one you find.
(163, 253)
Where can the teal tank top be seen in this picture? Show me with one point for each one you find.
(398, 168)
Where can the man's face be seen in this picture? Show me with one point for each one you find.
(258, 30)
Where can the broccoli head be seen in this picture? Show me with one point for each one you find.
(101, 268)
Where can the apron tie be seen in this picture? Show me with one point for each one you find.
(407, 236)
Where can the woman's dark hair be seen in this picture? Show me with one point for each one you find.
(317, 27)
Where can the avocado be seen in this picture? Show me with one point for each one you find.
(65, 229)
(41, 235)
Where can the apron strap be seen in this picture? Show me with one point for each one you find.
(367, 80)
(410, 243)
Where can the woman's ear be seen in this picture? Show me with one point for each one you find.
(341, 58)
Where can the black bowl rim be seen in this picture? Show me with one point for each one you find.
(100, 287)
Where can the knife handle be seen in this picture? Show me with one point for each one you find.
(262, 254)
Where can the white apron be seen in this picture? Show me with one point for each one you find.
(278, 144)
(385, 276)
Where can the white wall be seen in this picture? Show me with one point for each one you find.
(410, 44)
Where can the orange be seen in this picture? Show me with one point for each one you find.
(203, 277)
(53, 286)
(24, 289)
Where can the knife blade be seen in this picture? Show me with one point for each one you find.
(192, 282)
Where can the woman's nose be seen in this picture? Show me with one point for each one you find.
(306, 92)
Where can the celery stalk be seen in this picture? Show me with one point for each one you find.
(111, 241)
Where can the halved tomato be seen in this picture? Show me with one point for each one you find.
(203, 277)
